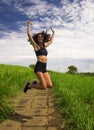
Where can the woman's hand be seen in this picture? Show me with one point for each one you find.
(52, 30)
(29, 22)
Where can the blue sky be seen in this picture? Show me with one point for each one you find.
(72, 20)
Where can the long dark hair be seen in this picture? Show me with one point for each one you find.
(44, 33)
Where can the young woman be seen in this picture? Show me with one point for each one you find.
(39, 42)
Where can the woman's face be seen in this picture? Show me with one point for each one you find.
(40, 38)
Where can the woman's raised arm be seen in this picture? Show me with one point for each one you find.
(51, 38)
(28, 32)
(30, 35)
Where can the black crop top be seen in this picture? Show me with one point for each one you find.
(41, 51)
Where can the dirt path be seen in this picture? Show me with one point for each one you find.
(36, 110)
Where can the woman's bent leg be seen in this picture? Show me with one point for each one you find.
(48, 80)
(42, 84)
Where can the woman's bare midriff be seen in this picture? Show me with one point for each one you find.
(42, 59)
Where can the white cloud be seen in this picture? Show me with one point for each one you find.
(74, 27)
(14, 48)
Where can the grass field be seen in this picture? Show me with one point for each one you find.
(74, 94)
(75, 98)
(12, 80)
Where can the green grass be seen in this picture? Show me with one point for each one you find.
(12, 80)
(74, 94)
(75, 98)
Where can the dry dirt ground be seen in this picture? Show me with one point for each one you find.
(34, 110)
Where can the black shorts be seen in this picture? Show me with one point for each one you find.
(40, 67)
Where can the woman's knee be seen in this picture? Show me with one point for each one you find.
(42, 80)
(44, 85)
(50, 85)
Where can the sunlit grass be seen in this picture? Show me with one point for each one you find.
(75, 96)
(12, 81)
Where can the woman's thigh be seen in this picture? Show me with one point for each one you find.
(48, 79)
(41, 78)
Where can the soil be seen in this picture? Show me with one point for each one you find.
(34, 110)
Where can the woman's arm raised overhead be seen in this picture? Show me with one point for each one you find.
(51, 38)
(30, 35)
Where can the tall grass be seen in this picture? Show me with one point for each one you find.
(75, 94)
(12, 80)
(75, 97)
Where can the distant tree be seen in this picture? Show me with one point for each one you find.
(72, 69)
(31, 65)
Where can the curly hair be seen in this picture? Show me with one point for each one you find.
(44, 33)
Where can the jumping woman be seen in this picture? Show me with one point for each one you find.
(39, 42)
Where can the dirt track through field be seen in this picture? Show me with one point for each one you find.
(35, 110)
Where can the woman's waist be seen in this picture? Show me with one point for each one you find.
(42, 59)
